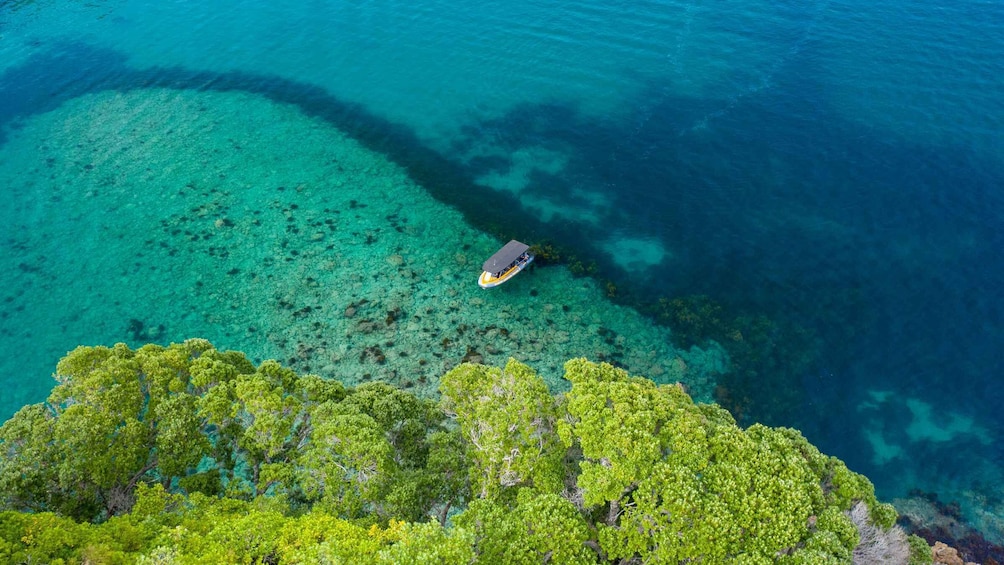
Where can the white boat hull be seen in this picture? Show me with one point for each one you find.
(486, 280)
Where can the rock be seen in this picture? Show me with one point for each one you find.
(395, 260)
(472, 356)
(350, 311)
(945, 555)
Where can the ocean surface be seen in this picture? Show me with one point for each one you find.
(319, 182)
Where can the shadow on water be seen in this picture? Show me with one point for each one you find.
(875, 262)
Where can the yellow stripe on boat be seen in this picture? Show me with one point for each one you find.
(506, 262)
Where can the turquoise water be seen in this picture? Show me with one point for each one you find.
(835, 166)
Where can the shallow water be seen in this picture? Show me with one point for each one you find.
(156, 214)
(834, 166)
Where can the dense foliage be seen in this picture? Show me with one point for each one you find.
(186, 454)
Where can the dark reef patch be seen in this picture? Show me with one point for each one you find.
(140, 333)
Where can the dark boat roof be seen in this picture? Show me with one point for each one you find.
(505, 256)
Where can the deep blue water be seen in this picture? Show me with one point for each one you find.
(834, 165)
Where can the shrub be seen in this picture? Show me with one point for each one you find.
(878, 545)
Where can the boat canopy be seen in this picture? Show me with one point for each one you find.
(505, 257)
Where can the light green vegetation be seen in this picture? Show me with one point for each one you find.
(186, 454)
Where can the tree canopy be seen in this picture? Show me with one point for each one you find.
(187, 454)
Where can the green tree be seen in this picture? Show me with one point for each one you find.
(507, 417)
(28, 461)
(428, 544)
(671, 481)
(117, 417)
(258, 419)
(199, 420)
(348, 462)
(447, 476)
(537, 528)
(185, 454)
(420, 475)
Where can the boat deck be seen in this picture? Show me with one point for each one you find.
(486, 280)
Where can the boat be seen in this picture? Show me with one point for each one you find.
(505, 264)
